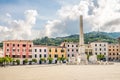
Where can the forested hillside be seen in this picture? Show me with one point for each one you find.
(89, 37)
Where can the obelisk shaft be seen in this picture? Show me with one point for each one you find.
(81, 40)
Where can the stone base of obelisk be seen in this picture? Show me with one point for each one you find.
(82, 59)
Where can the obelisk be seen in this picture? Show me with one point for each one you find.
(82, 57)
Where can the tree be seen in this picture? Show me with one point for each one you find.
(25, 61)
(34, 60)
(1, 61)
(100, 57)
(18, 62)
(50, 60)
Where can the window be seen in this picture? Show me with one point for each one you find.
(40, 50)
(49, 50)
(18, 56)
(113, 49)
(95, 49)
(30, 50)
(30, 45)
(44, 50)
(49, 55)
(13, 45)
(24, 45)
(45, 56)
(68, 50)
(104, 53)
(95, 44)
(30, 56)
(68, 45)
(13, 50)
(13, 56)
(100, 44)
(23, 50)
(116, 58)
(100, 49)
(7, 44)
(18, 45)
(18, 50)
(117, 54)
(76, 45)
(55, 50)
(72, 55)
(68, 55)
(104, 45)
(72, 50)
(24, 56)
(55, 55)
(109, 49)
(117, 49)
(35, 50)
(40, 55)
(96, 53)
(76, 50)
(62, 50)
(109, 53)
(35, 55)
(72, 45)
(113, 53)
(7, 49)
(62, 55)
(104, 49)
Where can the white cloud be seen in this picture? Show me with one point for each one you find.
(19, 29)
(96, 13)
(7, 14)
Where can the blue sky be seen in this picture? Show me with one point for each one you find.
(30, 19)
(45, 8)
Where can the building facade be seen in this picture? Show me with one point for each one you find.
(18, 49)
(71, 48)
(39, 51)
(56, 51)
(100, 48)
(113, 52)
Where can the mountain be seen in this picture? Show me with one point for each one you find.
(88, 37)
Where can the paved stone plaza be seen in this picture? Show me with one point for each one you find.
(61, 72)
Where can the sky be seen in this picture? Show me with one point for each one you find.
(31, 19)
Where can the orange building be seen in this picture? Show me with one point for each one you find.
(56, 51)
(18, 48)
(113, 52)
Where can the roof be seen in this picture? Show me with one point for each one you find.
(18, 41)
(99, 42)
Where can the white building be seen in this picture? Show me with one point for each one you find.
(39, 52)
(71, 49)
(1, 52)
(100, 48)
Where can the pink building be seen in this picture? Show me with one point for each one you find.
(18, 48)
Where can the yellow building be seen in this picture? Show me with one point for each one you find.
(56, 51)
(88, 49)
